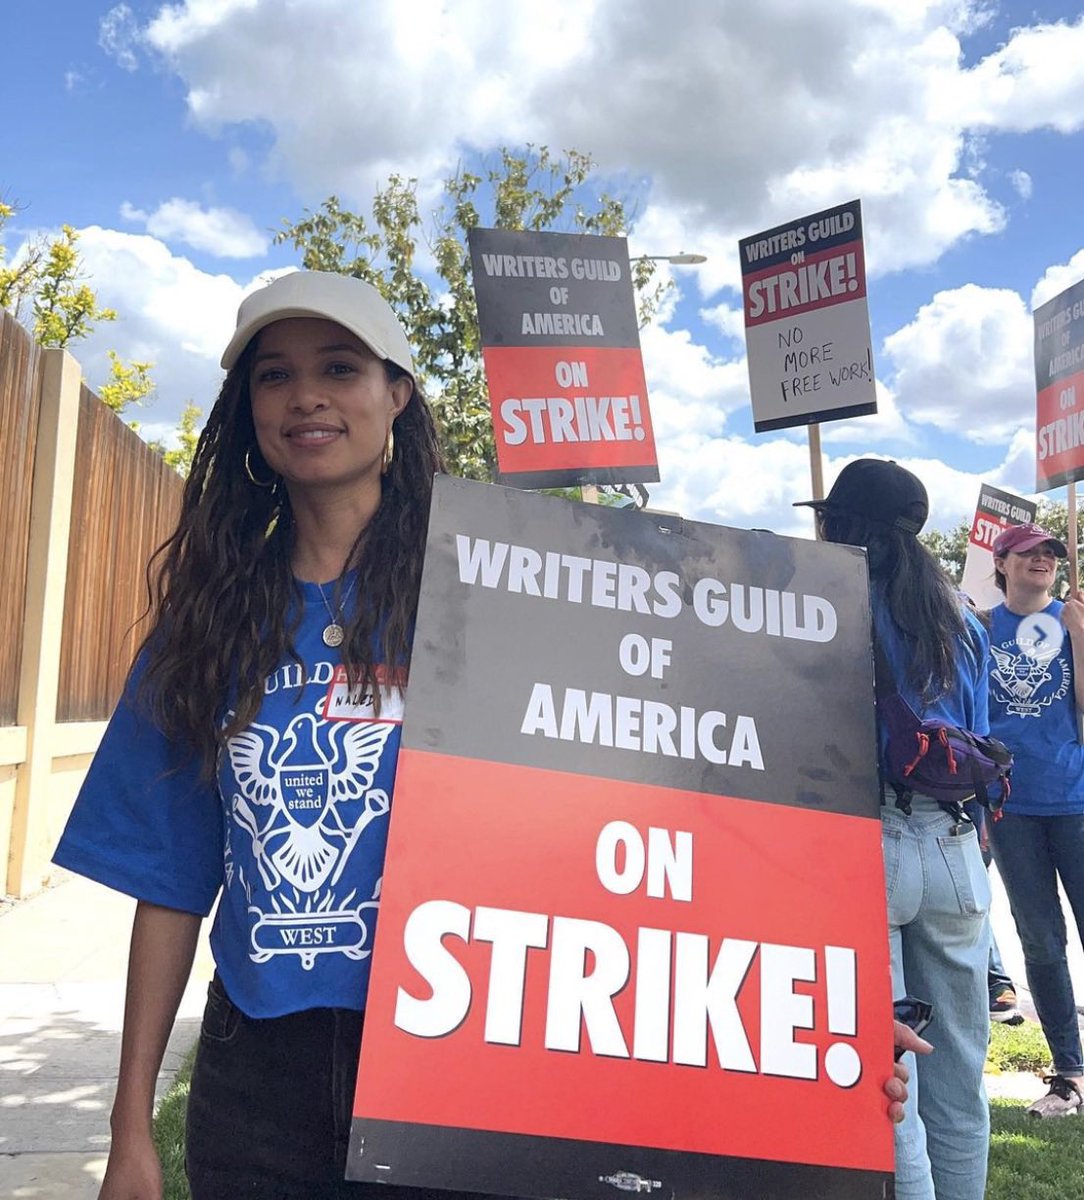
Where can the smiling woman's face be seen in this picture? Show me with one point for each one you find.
(321, 405)
(1033, 570)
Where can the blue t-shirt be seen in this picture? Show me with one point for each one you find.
(1033, 710)
(293, 831)
(965, 703)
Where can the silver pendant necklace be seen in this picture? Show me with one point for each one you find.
(334, 633)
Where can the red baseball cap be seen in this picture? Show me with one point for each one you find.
(1019, 539)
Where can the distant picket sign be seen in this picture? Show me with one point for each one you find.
(632, 927)
(1059, 385)
(807, 321)
(996, 510)
(561, 346)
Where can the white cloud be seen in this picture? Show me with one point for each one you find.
(740, 115)
(119, 35)
(691, 390)
(964, 364)
(222, 232)
(728, 319)
(1034, 81)
(729, 481)
(886, 425)
(1022, 184)
(169, 313)
(1057, 278)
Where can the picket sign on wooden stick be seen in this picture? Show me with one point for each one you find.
(1074, 568)
(816, 462)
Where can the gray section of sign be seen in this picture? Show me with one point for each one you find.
(1005, 505)
(479, 652)
(537, 259)
(1058, 344)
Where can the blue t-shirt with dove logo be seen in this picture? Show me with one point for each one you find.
(1033, 710)
(290, 837)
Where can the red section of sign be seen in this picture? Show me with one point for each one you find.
(985, 528)
(1059, 432)
(780, 884)
(787, 290)
(568, 407)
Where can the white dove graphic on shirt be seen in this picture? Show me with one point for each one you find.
(299, 795)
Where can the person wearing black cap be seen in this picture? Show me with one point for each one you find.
(1036, 694)
(938, 893)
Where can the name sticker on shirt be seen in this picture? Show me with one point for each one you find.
(350, 702)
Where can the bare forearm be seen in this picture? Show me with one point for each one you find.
(159, 963)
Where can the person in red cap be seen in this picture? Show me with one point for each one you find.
(938, 894)
(1036, 695)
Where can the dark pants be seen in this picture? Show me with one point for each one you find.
(270, 1107)
(997, 978)
(1032, 854)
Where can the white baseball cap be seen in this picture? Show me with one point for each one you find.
(351, 303)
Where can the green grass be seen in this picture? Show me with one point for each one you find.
(1017, 1048)
(169, 1132)
(1032, 1159)
(1029, 1159)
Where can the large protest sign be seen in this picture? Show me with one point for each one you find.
(561, 347)
(806, 320)
(995, 511)
(632, 933)
(1059, 384)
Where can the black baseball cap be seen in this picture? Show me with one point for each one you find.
(879, 490)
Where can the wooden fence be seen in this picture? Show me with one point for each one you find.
(20, 393)
(85, 503)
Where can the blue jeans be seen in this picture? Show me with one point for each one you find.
(1031, 852)
(997, 978)
(939, 936)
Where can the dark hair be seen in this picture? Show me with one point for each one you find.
(1000, 582)
(918, 594)
(221, 586)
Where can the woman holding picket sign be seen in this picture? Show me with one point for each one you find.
(931, 654)
(254, 750)
(252, 757)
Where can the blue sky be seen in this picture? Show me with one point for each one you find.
(176, 137)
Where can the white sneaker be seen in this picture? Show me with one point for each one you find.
(1063, 1100)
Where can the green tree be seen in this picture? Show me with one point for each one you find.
(180, 458)
(526, 190)
(46, 288)
(128, 384)
(949, 548)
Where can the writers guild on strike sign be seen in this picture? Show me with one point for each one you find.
(590, 962)
(673, 900)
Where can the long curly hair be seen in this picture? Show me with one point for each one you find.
(221, 589)
(918, 594)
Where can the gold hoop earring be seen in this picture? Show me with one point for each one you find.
(389, 453)
(260, 483)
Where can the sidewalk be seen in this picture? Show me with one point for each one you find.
(63, 958)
